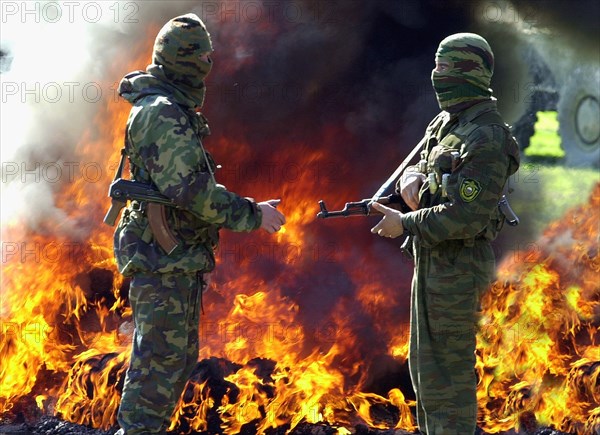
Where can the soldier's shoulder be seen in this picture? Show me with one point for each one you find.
(437, 122)
(156, 115)
(487, 133)
(153, 106)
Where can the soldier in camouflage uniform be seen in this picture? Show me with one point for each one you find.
(163, 143)
(467, 158)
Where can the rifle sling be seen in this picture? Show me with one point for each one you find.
(399, 170)
(119, 171)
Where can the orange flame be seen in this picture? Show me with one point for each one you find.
(538, 350)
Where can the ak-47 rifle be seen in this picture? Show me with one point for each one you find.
(363, 208)
(121, 191)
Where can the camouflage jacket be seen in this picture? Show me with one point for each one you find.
(467, 159)
(163, 143)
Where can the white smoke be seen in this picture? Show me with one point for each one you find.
(50, 91)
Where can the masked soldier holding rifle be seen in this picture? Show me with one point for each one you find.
(166, 237)
(467, 156)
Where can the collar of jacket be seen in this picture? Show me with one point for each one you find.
(468, 115)
(139, 84)
(185, 95)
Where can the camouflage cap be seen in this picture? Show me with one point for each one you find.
(471, 65)
(177, 50)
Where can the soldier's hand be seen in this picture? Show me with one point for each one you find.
(272, 219)
(391, 224)
(410, 184)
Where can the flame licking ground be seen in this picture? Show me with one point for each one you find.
(54, 316)
(65, 341)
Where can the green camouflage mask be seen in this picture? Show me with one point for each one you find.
(177, 51)
(467, 80)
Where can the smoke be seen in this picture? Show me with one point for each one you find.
(287, 67)
(54, 65)
(284, 67)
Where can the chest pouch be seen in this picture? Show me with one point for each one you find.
(441, 163)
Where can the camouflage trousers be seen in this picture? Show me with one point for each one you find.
(446, 288)
(165, 349)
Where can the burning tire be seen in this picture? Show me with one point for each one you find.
(579, 118)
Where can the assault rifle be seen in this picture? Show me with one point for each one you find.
(122, 190)
(151, 200)
(363, 208)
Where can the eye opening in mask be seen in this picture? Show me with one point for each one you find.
(205, 56)
(442, 65)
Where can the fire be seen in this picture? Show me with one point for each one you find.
(538, 352)
(301, 327)
(40, 333)
(60, 294)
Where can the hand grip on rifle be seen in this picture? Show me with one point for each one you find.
(113, 212)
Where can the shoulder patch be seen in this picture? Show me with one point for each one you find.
(469, 189)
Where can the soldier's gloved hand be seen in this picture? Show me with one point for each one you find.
(391, 224)
(410, 184)
(272, 219)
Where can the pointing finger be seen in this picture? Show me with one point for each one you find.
(381, 208)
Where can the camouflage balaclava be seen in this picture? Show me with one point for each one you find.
(467, 80)
(176, 52)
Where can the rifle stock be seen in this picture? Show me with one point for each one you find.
(511, 217)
